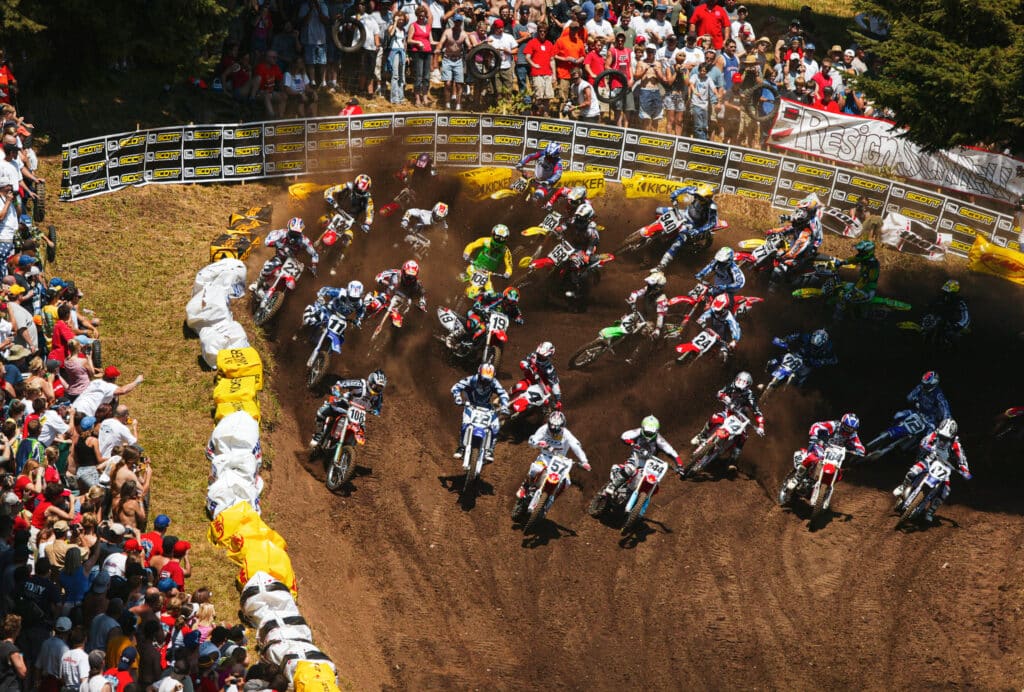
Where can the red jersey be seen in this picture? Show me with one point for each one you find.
(712, 22)
(173, 570)
(269, 76)
(832, 106)
(541, 52)
(62, 334)
(621, 60)
(595, 61)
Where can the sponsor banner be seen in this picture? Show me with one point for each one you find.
(598, 149)
(502, 139)
(87, 167)
(479, 183)
(327, 146)
(284, 147)
(369, 132)
(752, 174)
(648, 153)
(919, 205)
(869, 142)
(415, 133)
(242, 154)
(643, 185)
(1006, 233)
(540, 132)
(592, 180)
(458, 140)
(965, 222)
(126, 160)
(987, 258)
(798, 179)
(850, 187)
(907, 235)
(698, 161)
(164, 155)
(201, 153)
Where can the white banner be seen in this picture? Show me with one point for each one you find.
(863, 141)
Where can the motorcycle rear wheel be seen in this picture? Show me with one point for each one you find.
(769, 388)
(318, 369)
(537, 514)
(342, 467)
(634, 514)
(520, 508)
(588, 354)
(597, 505)
(492, 355)
(266, 312)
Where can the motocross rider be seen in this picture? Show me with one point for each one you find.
(414, 174)
(805, 235)
(479, 390)
(843, 430)
(950, 307)
(701, 216)
(493, 253)
(574, 197)
(551, 438)
(422, 220)
(863, 290)
(927, 399)
(347, 302)
(537, 367)
(402, 281)
(286, 243)
(814, 348)
(726, 275)
(360, 201)
(721, 320)
(944, 443)
(645, 438)
(548, 169)
(371, 389)
(651, 297)
(506, 302)
(581, 230)
(738, 396)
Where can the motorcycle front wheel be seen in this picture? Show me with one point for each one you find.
(634, 514)
(634, 242)
(699, 460)
(342, 467)
(492, 355)
(784, 492)
(537, 513)
(588, 354)
(266, 310)
(318, 369)
(819, 502)
(598, 505)
(912, 509)
(520, 508)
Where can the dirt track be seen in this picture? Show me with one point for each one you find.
(407, 589)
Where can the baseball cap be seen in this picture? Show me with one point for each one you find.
(458, 18)
(60, 526)
(166, 584)
(192, 639)
(661, 8)
(742, 8)
(162, 521)
(96, 659)
(34, 271)
(88, 423)
(651, 47)
(101, 583)
(57, 282)
(26, 260)
(132, 546)
(849, 53)
(63, 624)
(111, 372)
(640, 40)
(127, 658)
(809, 46)
(835, 49)
(181, 547)
(498, 24)
(116, 530)
(16, 290)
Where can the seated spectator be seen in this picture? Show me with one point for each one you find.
(239, 81)
(352, 108)
(299, 91)
(827, 101)
(271, 84)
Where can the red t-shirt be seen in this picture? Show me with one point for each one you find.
(269, 76)
(124, 678)
(832, 106)
(351, 110)
(541, 53)
(39, 514)
(595, 62)
(622, 60)
(173, 570)
(567, 48)
(712, 22)
(156, 540)
(239, 78)
(62, 334)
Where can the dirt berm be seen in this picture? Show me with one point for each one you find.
(409, 589)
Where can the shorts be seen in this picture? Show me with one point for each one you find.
(369, 62)
(651, 104)
(543, 86)
(435, 34)
(564, 89)
(453, 70)
(316, 54)
(505, 80)
(675, 101)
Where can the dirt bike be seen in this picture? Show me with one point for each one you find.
(924, 490)
(536, 504)
(934, 331)
(460, 343)
(632, 324)
(337, 230)
(549, 224)
(344, 433)
(818, 484)
(763, 252)
(635, 496)
(525, 188)
(691, 350)
(417, 240)
(477, 280)
(833, 290)
(476, 440)
(1008, 423)
(270, 300)
(670, 221)
(528, 397)
(719, 443)
(785, 372)
(571, 273)
(391, 309)
(699, 299)
(332, 336)
(906, 432)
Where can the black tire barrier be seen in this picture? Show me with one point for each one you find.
(752, 97)
(349, 35)
(617, 85)
(488, 64)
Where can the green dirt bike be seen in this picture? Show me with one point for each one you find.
(833, 290)
(631, 325)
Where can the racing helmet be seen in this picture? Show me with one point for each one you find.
(865, 249)
(947, 429)
(545, 350)
(819, 338)
(296, 226)
(809, 203)
(849, 422)
(720, 303)
(951, 287)
(724, 254)
(576, 195)
(500, 233)
(377, 381)
(440, 211)
(656, 279)
(930, 380)
(410, 270)
(553, 150)
(556, 422)
(486, 372)
(743, 381)
(584, 212)
(704, 191)
(511, 294)
(424, 161)
(362, 184)
(355, 290)
(650, 426)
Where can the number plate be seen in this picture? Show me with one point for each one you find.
(939, 470)
(655, 467)
(341, 221)
(356, 414)
(559, 465)
(914, 424)
(497, 322)
(835, 455)
(479, 279)
(762, 252)
(480, 418)
(669, 221)
(561, 252)
(292, 266)
(551, 221)
(733, 425)
(705, 340)
(697, 291)
(519, 185)
(336, 324)
(792, 362)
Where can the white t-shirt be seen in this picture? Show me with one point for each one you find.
(74, 667)
(436, 15)
(594, 109)
(53, 426)
(97, 683)
(372, 32)
(662, 29)
(24, 319)
(602, 30)
(694, 57)
(98, 392)
(112, 433)
(504, 44)
(114, 564)
(296, 82)
(9, 224)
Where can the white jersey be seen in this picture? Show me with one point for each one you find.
(563, 446)
(422, 217)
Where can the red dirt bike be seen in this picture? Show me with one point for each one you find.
(663, 230)
(270, 300)
(390, 309)
(529, 397)
(699, 300)
(344, 433)
(488, 346)
(572, 274)
(819, 482)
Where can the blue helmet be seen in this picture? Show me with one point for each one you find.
(850, 422)
(553, 150)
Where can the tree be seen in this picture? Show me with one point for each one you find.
(951, 70)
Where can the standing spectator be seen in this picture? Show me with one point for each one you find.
(103, 391)
(826, 78)
(600, 29)
(659, 28)
(74, 581)
(370, 50)
(625, 19)
(123, 672)
(313, 22)
(558, 18)
(811, 67)
(523, 34)
(621, 58)
(299, 91)
(74, 664)
(97, 682)
(102, 625)
(539, 54)
(453, 46)
(742, 31)
(127, 509)
(397, 34)
(714, 64)
(675, 96)
(641, 23)
(262, 28)
(121, 429)
(86, 449)
(593, 65)
(8, 222)
(584, 98)
(666, 54)
(702, 98)
(152, 636)
(570, 49)
(712, 20)
(8, 83)
(12, 662)
(420, 51)
(271, 79)
(651, 77)
(827, 102)
(507, 47)
(47, 668)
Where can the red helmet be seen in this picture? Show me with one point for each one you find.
(410, 269)
(363, 183)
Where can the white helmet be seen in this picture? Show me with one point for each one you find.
(724, 254)
(440, 211)
(577, 194)
(819, 338)
(656, 278)
(743, 381)
(584, 212)
(947, 429)
(556, 422)
(545, 350)
(355, 290)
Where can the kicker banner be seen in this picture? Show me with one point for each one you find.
(860, 141)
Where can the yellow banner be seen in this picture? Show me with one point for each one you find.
(238, 527)
(479, 183)
(987, 258)
(643, 185)
(592, 180)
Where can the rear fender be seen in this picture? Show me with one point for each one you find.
(745, 257)
(684, 300)
(652, 230)
(520, 404)
(688, 347)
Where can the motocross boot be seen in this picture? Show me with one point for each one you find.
(929, 515)
(699, 437)
(459, 451)
(901, 490)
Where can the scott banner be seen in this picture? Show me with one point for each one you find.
(851, 139)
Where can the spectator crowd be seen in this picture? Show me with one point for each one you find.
(685, 67)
